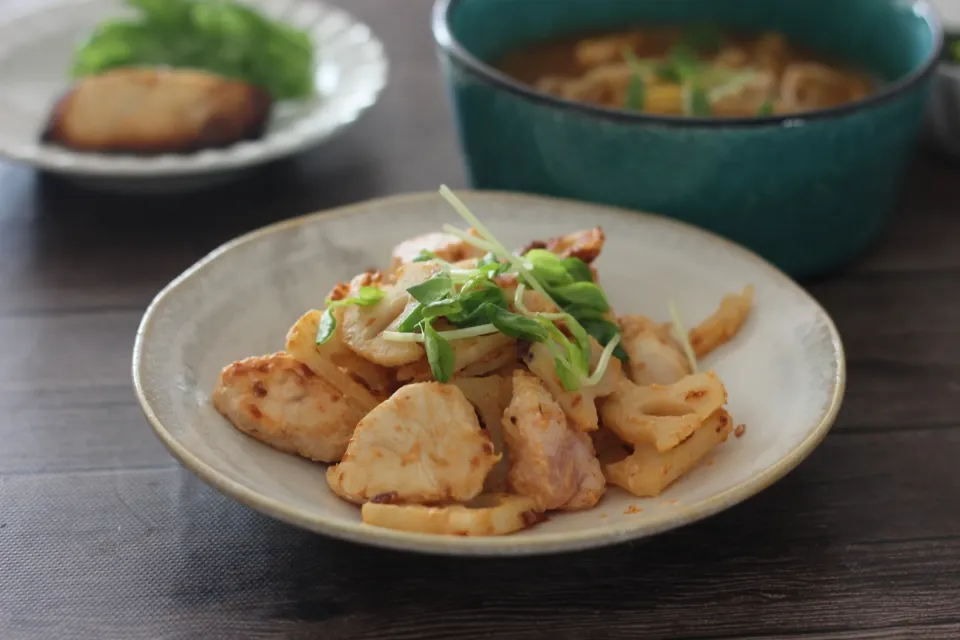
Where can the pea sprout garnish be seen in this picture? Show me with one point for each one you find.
(682, 336)
(472, 303)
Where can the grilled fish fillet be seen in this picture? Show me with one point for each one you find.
(149, 111)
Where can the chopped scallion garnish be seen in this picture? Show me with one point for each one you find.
(637, 89)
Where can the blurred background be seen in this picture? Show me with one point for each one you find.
(112, 185)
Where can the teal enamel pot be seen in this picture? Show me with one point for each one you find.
(807, 192)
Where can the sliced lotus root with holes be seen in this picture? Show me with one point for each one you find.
(472, 357)
(647, 472)
(361, 327)
(486, 515)
(579, 406)
(662, 415)
(302, 345)
(723, 324)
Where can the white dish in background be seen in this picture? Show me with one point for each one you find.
(949, 11)
(943, 113)
(36, 49)
(784, 371)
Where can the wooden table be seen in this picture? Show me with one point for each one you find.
(103, 535)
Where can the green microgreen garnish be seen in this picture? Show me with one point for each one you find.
(696, 102)
(682, 336)
(604, 331)
(684, 63)
(582, 294)
(425, 256)
(471, 301)
(411, 320)
(547, 267)
(703, 84)
(366, 297)
(636, 94)
(432, 290)
(440, 354)
(951, 48)
(637, 89)
(516, 326)
(684, 66)
(766, 109)
(225, 37)
(578, 269)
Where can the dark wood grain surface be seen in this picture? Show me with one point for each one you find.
(104, 536)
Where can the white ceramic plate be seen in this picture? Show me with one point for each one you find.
(36, 49)
(784, 372)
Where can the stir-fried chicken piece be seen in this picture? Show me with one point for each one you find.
(586, 245)
(362, 326)
(281, 402)
(549, 461)
(424, 444)
(580, 406)
(445, 246)
(655, 357)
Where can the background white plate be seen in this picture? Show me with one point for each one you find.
(949, 11)
(36, 48)
(784, 372)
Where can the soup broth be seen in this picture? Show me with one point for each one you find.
(698, 71)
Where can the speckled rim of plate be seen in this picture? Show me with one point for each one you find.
(360, 52)
(487, 546)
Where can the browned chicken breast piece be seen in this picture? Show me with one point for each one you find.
(146, 110)
(424, 444)
(586, 245)
(445, 246)
(655, 355)
(550, 461)
(284, 404)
